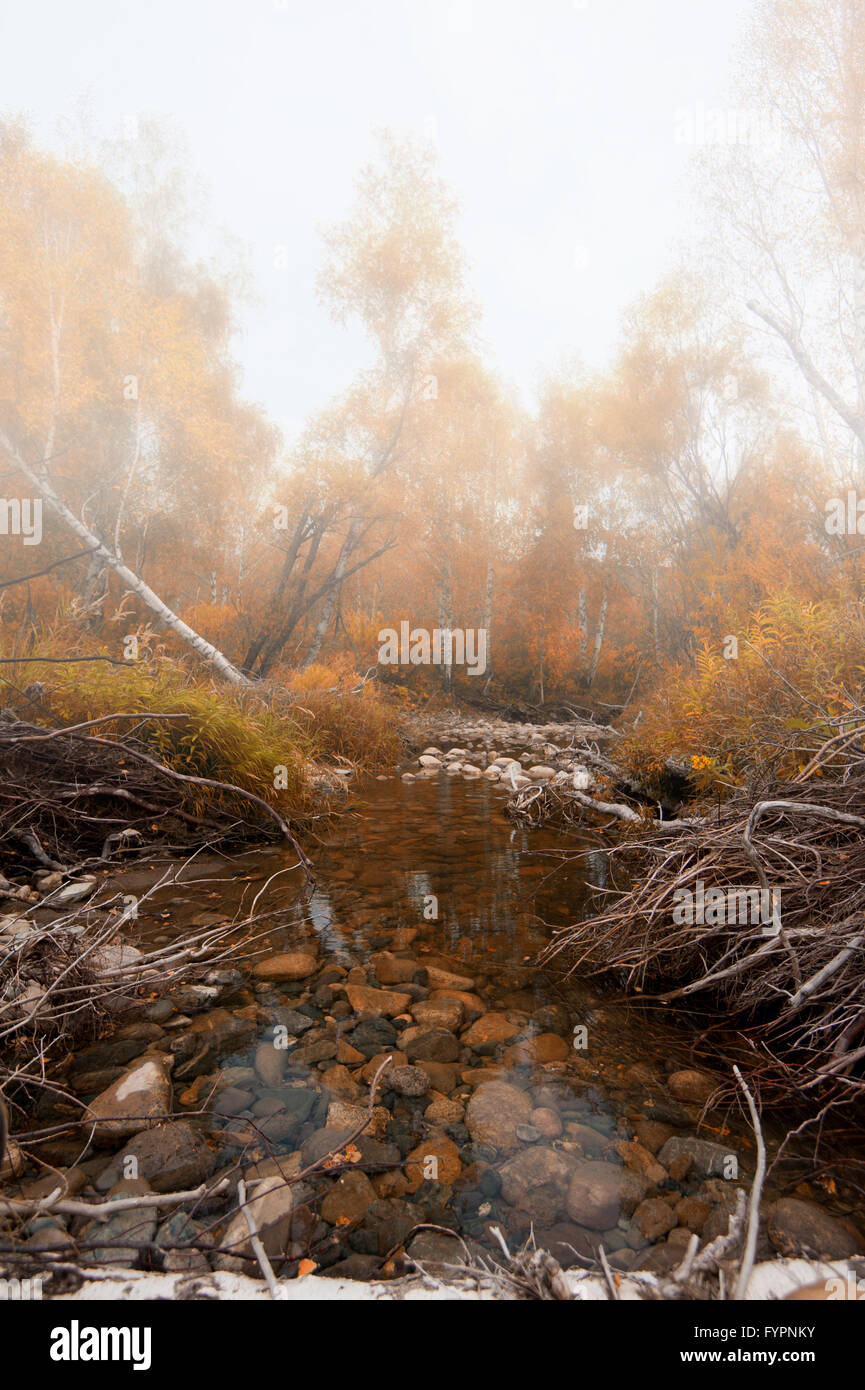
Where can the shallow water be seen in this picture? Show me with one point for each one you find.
(439, 857)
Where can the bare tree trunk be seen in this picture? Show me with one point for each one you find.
(445, 621)
(656, 637)
(583, 621)
(599, 636)
(488, 622)
(859, 345)
(331, 598)
(199, 644)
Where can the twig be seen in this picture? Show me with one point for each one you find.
(756, 1192)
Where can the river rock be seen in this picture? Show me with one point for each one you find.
(443, 1112)
(430, 1045)
(347, 1201)
(213, 1033)
(443, 1077)
(493, 1113)
(438, 1013)
(438, 978)
(298, 1102)
(137, 1100)
(318, 1050)
(291, 1020)
(232, 1101)
(694, 1087)
(289, 965)
(536, 1182)
(599, 1193)
(546, 1047)
(654, 1218)
(377, 1003)
(271, 1204)
(435, 1248)
(707, 1160)
(407, 1081)
(797, 1227)
(472, 1004)
(693, 1213)
(270, 1063)
(393, 970)
(338, 1081)
(489, 1030)
(394, 1056)
(138, 1224)
(652, 1134)
(267, 1106)
(436, 1159)
(546, 1121)
(170, 1157)
(278, 1129)
(640, 1160)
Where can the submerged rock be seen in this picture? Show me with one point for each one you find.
(536, 1182)
(494, 1112)
(694, 1087)
(707, 1160)
(291, 965)
(600, 1193)
(797, 1227)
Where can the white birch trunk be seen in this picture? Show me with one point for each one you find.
(599, 638)
(199, 644)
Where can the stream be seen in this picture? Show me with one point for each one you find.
(516, 1100)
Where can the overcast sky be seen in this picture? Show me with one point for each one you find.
(555, 121)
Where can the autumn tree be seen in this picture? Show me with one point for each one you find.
(395, 265)
(118, 401)
(791, 189)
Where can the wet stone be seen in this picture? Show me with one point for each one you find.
(373, 1035)
(706, 1159)
(407, 1081)
(431, 1045)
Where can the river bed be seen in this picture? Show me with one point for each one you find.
(515, 1101)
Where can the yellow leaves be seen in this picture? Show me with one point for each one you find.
(350, 1154)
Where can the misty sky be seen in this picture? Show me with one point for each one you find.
(554, 119)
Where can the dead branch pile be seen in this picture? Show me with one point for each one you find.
(61, 982)
(73, 795)
(797, 968)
